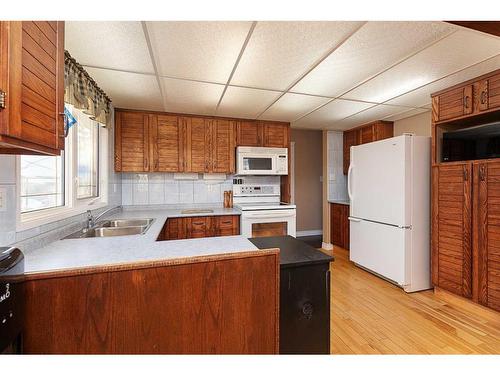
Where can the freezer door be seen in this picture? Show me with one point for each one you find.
(383, 249)
(379, 181)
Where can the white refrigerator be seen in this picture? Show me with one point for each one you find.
(389, 188)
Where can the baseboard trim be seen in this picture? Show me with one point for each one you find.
(326, 246)
(314, 232)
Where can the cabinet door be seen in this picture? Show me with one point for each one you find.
(199, 227)
(350, 139)
(167, 143)
(32, 75)
(198, 144)
(223, 151)
(228, 225)
(452, 104)
(367, 134)
(383, 130)
(174, 229)
(488, 93)
(339, 225)
(451, 228)
(487, 232)
(275, 135)
(249, 133)
(131, 142)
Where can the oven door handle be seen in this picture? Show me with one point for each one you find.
(268, 216)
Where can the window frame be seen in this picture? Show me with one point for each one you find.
(72, 205)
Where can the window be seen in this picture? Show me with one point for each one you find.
(87, 157)
(42, 182)
(66, 185)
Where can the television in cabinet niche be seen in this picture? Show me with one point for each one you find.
(471, 142)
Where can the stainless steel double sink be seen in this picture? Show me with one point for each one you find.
(116, 227)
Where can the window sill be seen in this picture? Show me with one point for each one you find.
(32, 220)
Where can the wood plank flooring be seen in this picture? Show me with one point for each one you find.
(372, 316)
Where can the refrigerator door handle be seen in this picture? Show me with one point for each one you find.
(349, 173)
(354, 219)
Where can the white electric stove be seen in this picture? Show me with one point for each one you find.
(262, 212)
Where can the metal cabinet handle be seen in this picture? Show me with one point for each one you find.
(483, 97)
(466, 101)
(466, 174)
(482, 173)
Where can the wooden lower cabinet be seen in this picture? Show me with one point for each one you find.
(200, 226)
(487, 233)
(339, 225)
(466, 230)
(223, 304)
(452, 228)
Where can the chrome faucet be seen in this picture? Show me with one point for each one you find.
(91, 220)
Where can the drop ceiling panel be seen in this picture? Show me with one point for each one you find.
(330, 113)
(455, 52)
(191, 96)
(402, 115)
(280, 52)
(422, 96)
(244, 102)
(110, 44)
(129, 90)
(370, 50)
(292, 106)
(204, 51)
(378, 112)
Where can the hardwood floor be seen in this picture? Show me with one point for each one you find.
(371, 316)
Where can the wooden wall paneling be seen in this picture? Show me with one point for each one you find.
(219, 305)
(249, 133)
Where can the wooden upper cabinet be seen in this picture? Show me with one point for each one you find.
(451, 227)
(487, 232)
(32, 78)
(198, 144)
(350, 139)
(223, 149)
(249, 133)
(132, 151)
(167, 143)
(276, 134)
(366, 134)
(451, 104)
(487, 93)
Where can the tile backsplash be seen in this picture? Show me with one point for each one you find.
(162, 188)
(337, 181)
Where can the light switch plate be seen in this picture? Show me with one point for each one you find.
(3, 199)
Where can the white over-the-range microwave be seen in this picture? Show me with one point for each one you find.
(261, 161)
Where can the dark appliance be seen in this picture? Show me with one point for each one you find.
(11, 299)
(477, 142)
(304, 295)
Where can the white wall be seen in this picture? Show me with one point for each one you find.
(418, 125)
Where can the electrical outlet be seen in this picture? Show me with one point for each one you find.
(3, 199)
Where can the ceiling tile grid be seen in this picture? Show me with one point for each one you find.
(129, 90)
(376, 46)
(114, 45)
(244, 102)
(280, 52)
(205, 51)
(342, 73)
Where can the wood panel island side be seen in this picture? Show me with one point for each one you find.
(217, 304)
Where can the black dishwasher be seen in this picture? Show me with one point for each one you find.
(304, 295)
(11, 299)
